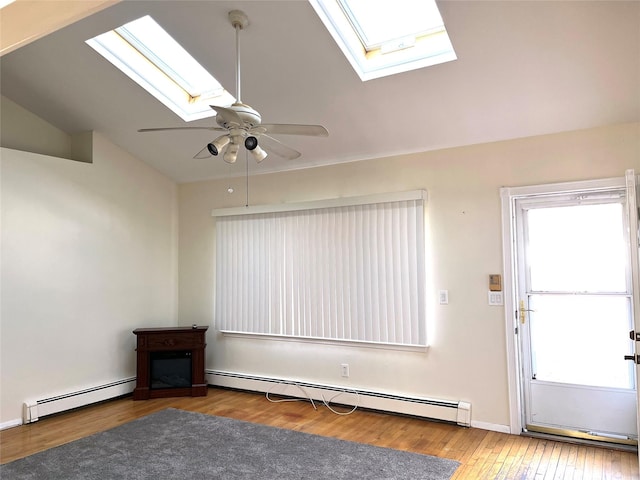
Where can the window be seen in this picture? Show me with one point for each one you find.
(385, 38)
(353, 270)
(145, 52)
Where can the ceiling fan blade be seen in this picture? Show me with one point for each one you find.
(180, 128)
(295, 129)
(228, 116)
(204, 153)
(276, 147)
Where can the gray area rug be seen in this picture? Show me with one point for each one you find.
(176, 444)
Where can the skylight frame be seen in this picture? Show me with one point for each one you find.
(431, 47)
(166, 78)
(420, 18)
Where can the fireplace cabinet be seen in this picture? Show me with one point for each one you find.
(170, 362)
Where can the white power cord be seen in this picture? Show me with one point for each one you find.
(308, 397)
(326, 403)
(291, 399)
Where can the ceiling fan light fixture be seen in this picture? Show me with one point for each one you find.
(231, 153)
(218, 144)
(258, 154)
(251, 143)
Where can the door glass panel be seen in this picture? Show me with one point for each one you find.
(578, 248)
(580, 339)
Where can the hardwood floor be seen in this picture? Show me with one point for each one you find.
(482, 454)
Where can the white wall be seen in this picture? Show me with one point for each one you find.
(22, 130)
(467, 357)
(88, 254)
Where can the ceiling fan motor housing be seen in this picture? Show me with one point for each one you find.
(248, 115)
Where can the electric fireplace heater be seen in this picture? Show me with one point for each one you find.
(170, 369)
(170, 362)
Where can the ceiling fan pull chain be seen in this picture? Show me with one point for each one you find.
(246, 156)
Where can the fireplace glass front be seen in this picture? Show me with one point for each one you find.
(170, 369)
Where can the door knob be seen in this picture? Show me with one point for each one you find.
(634, 358)
(522, 310)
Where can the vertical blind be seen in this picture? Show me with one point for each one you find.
(351, 273)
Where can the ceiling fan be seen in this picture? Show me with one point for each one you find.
(243, 124)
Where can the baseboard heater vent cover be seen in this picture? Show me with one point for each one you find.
(32, 410)
(444, 410)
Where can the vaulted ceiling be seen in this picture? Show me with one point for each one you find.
(524, 68)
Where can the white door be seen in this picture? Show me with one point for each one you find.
(575, 311)
(633, 213)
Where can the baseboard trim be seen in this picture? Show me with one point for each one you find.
(494, 427)
(11, 424)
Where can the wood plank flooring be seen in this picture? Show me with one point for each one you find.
(482, 454)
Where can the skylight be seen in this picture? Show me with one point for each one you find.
(385, 38)
(145, 52)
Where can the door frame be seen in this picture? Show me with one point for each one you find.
(508, 196)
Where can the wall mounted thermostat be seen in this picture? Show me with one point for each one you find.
(495, 283)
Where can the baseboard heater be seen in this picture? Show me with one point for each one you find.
(32, 410)
(444, 410)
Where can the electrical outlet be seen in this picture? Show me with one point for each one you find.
(344, 370)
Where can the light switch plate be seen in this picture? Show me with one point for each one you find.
(443, 297)
(495, 298)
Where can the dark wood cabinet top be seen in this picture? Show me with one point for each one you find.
(139, 331)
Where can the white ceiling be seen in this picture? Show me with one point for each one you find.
(523, 69)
